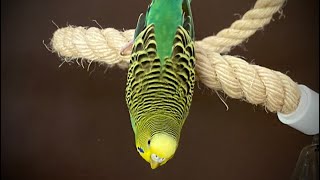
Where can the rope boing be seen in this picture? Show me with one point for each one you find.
(232, 75)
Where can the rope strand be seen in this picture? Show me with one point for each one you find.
(252, 21)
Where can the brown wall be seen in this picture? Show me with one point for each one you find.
(65, 123)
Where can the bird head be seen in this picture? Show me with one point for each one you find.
(157, 149)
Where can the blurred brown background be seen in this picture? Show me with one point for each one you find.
(68, 123)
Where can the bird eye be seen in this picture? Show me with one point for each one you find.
(149, 142)
(157, 158)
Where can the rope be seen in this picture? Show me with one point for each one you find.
(92, 44)
(232, 75)
(253, 20)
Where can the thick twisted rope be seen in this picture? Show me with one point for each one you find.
(240, 30)
(237, 78)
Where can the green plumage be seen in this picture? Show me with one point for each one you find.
(166, 16)
(161, 75)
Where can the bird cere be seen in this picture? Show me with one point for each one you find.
(161, 78)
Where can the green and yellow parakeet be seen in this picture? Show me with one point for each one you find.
(161, 78)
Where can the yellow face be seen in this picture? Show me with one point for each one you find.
(158, 149)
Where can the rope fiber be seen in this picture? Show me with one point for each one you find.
(232, 75)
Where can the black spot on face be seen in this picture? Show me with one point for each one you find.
(140, 150)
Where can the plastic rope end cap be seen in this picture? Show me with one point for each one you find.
(306, 117)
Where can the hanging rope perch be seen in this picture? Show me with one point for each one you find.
(232, 75)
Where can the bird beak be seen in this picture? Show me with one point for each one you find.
(154, 164)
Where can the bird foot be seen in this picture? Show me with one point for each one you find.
(126, 49)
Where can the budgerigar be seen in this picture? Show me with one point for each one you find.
(161, 78)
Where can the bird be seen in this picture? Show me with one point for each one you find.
(161, 78)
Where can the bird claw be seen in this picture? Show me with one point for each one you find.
(124, 50)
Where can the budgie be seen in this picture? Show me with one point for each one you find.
(161, 78)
